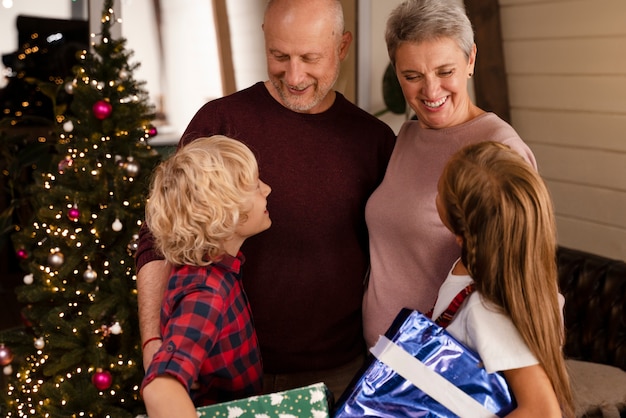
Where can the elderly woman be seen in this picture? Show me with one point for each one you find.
(431, 46)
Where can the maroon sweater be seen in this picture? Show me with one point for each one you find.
(303, 276)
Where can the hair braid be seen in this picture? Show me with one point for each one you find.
(502, 209)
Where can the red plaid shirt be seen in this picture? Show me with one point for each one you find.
(208, 334)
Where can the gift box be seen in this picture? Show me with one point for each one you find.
(308, 402)
(417, 369)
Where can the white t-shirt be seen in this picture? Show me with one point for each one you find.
(481, 326)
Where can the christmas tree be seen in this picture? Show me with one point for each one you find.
(79, 354)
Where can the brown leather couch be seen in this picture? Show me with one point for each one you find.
(595, 322)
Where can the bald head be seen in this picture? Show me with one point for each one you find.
(312, 10)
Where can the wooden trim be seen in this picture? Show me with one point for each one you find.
(490, 83)
(222, 29)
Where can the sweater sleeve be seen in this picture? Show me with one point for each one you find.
(145, 250)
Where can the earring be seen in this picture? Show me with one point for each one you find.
(470, 75)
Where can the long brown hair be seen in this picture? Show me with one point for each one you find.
(501, 207)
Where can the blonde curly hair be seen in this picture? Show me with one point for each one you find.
(198, 197)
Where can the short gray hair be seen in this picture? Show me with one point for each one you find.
(416, 21)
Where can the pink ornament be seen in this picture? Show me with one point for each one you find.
(102, 379)
(65, 164)
(6, 356)
(102, 109)
(22, 254)
(152, 131)
(73, 214)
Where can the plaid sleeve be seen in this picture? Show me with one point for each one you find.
(188, 337)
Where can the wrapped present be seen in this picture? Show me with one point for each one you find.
(419, 370)
(306, 402)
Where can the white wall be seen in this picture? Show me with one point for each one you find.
(566, 69)
(245, 19)
(188, 74)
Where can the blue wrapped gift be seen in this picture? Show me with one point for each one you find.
(419, 370)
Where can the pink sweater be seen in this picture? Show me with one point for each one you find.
(411, 250)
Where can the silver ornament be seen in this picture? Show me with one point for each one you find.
(69, 87)
(90, 275)
(39, 343)
(56, 259)
(116, 328)
(28, 279)
(117, 225)
(131, 167)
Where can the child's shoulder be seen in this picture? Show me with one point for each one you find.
(193, 278)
